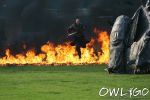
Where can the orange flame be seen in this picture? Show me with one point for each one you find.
(62, 54)
(103, 39)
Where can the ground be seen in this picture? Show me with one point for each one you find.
(66, 83)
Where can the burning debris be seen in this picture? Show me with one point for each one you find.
(52, 54)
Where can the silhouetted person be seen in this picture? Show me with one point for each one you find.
(76, 32)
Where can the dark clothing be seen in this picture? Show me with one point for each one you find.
(78, 38)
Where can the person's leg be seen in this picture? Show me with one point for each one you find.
(78, 51)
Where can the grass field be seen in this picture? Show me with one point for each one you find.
(66, 83)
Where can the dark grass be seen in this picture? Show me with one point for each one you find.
(65, 83)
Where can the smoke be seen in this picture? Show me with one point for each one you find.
(38, 21)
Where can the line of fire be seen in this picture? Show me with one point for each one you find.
(62, 54)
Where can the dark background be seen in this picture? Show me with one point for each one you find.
(34, 22)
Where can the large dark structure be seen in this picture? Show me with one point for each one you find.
(129, 43)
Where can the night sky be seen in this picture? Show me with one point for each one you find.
(34, 22)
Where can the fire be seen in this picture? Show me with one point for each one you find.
(103, 39)
(62, 54)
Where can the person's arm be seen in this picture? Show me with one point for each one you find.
(70, 29)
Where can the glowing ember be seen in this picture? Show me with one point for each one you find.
(63, 54)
